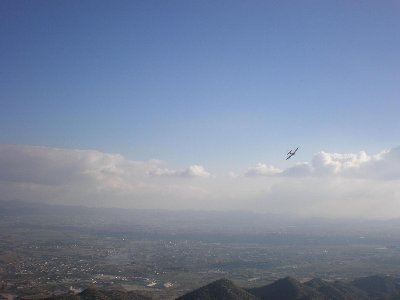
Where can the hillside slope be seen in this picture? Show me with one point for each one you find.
(222, 289)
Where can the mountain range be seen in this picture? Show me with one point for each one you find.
(376, 287)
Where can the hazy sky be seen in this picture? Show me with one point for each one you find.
(194, 104)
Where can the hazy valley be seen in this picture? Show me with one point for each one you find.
(49, 249)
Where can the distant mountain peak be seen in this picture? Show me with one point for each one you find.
(222, 289)
(286, 288)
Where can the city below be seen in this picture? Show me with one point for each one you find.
(52, 250)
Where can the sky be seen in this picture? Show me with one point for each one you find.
(194, 105)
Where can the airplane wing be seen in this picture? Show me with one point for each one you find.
(290, 153)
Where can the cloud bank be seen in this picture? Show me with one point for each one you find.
(191, 172)
(92, 178)
(50, 166)
(384, 165)
(330, 184)
(263, 170)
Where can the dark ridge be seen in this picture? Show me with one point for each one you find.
(315, 283)
(286, 289)
(336, 290)
(221, 289)
(379, 286)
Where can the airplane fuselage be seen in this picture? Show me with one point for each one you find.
(290, 153)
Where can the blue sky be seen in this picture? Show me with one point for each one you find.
(222, 83)
(194, 105)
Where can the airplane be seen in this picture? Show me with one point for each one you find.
(290, 153)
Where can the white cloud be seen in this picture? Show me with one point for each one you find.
(50, 166)
(196, 171)
(384, 165)
(90, 177)
(263, 170)
(299, 170)
(331, 184)
(335, 163)
(190, 172)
